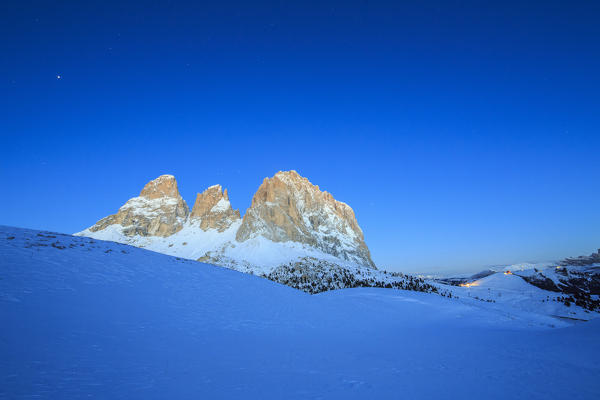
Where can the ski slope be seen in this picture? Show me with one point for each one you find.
(83, 318)
(512, 294)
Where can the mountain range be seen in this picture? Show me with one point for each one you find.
(292, 226)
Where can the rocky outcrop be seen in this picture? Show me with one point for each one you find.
(288, 207)
(212, 210)
(159, 210)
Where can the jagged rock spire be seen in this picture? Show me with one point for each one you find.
(212, 209)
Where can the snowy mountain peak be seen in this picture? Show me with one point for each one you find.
(212, 209)
(159, 210)
(288, 207)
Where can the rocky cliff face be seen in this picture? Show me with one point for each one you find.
(288, 207)
(159, 210)
(212, 210)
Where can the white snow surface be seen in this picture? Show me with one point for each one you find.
(221, 206)
(190, 242)
(149, 207)
(83, 318)
(258, 254)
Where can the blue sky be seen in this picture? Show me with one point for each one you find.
(463, 134)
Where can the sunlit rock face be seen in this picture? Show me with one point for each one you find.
(287, 207)
(212, 210)
(159, 210)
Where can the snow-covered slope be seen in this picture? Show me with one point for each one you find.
(511, 292)
(83, 318)
(257, 255)
(540, 286)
